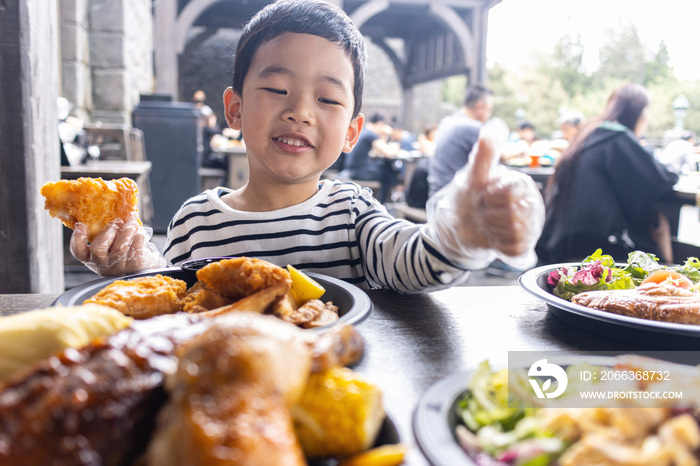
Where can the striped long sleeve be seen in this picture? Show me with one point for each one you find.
(342, 231)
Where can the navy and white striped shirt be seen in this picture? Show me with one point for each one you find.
(341, 231)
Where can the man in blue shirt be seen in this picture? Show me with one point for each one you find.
(457, 134)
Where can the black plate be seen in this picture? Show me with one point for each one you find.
(353, 304)
(645, 332)
(388, 435)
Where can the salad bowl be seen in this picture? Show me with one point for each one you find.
(665, 335)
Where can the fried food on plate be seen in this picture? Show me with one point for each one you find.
(200, 298)
(259, 301)
(143, 297)
(92, 201)
(100, 401)
(250, 369)
(242, 276)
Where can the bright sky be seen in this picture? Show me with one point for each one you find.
(519, 28)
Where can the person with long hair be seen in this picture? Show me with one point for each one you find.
(605, 187)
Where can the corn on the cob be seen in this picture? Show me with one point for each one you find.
(339, 414)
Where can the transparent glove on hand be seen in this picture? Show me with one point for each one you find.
(123, 247)
(487, 212)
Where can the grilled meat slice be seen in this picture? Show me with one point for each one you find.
(666, 303)
(95, 405)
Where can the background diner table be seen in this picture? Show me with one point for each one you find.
(413, 341)
(237, 165)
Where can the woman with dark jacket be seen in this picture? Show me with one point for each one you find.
(604, 189)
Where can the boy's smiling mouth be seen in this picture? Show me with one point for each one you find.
(292, 142)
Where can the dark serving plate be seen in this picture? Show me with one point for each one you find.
(388, 435)
(353, 304)
(665, 335)
(435, 420)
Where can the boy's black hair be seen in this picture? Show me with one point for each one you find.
(314, 17)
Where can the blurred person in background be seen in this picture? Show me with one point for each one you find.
(570, 124)
(526, 133)
(681, 155)
(605, 187)
(372, 158)
(426, 141)
(456, 135)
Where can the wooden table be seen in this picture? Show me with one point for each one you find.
(412, 341)
(539, 174)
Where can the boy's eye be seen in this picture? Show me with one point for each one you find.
(275, 91)
(328, 101)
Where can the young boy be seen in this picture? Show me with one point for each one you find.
(296, 96)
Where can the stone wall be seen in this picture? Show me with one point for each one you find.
(75, 61)
(30, 240)
(106, 57)
(383, 94)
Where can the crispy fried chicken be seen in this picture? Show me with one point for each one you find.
(92, 201)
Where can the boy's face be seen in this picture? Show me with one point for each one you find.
(295, 111)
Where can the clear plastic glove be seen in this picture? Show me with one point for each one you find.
(123, 247)
(487, 211)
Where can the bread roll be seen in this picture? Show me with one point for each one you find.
(35, 335)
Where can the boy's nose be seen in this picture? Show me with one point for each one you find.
(300, 111)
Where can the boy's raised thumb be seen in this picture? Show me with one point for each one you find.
(482, 163)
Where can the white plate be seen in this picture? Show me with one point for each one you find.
(436, 417)
(646, 332)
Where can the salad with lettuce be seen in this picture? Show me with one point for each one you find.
(600, 272)
(493, 432)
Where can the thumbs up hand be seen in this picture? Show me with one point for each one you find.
(488, 211)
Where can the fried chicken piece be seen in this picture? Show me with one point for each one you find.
(231, 396)
(257, 302)
(92, 201)
(200, 298)
(653, 301)
(143, 297)
(339, 346)
(242, 276)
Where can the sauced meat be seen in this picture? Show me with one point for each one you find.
(96, 405)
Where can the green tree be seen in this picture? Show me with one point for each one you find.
(454, 89)
(623, 56)
(565, 64)
(658, 69)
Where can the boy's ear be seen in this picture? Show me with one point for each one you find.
(232, 108)
(353, 132)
